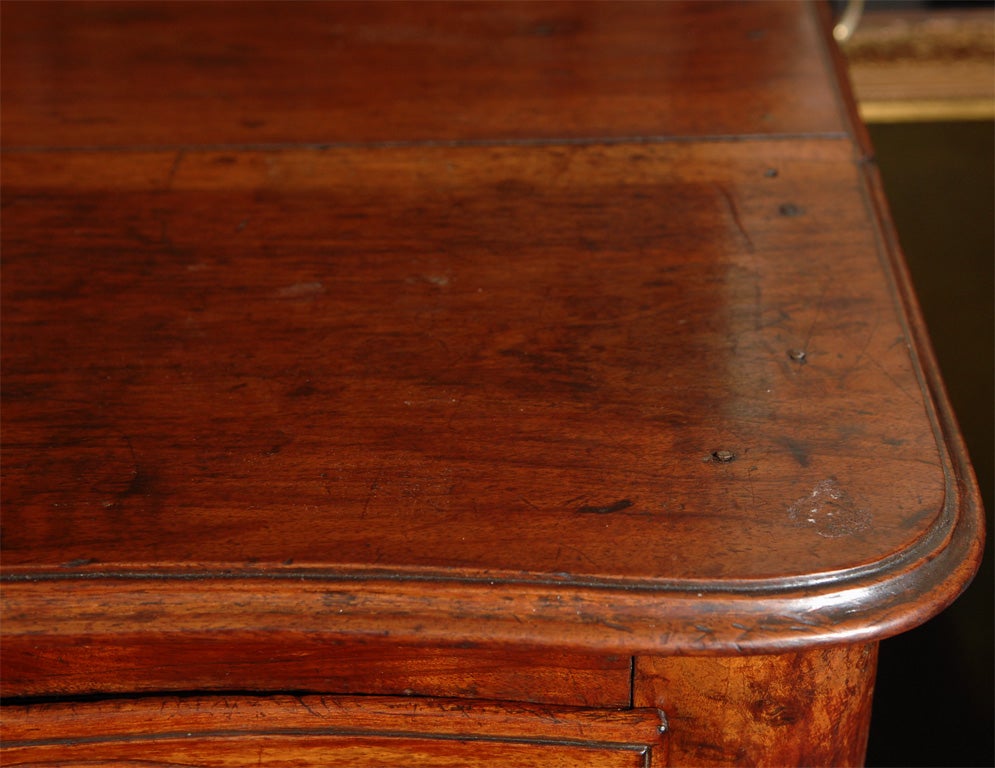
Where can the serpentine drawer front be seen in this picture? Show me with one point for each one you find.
(320, 730)
(454, 384)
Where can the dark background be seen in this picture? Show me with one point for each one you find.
(933, 703)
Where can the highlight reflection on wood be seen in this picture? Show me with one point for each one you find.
(502, 353)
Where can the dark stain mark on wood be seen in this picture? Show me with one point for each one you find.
(797, 449)
(304, 390)
(773, 713)
(277, 441)
(561, 27)
(141, 484)
(591, 509)
(78, 562)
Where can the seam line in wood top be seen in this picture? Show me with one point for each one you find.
(431, 143)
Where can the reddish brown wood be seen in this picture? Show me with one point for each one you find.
(186, 660)
(334, 751)
(806, 708)
(467, 350)
(110, 74)
(327, 730)
(351, 386)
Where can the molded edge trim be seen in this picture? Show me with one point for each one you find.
(171, 718)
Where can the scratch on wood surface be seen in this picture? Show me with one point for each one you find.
(177, 161)
(307, 706)
(577, 551)
(734, 212)
(374, 486)
(877, 364)
(863, 349)
(818, 314)
(604, 509)
(753, 491)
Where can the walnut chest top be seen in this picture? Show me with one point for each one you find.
(593, 336)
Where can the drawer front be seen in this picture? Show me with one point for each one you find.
(331, 752)
(327, 731)
(123, 663)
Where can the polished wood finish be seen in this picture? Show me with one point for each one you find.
(184, 659)
(354, 402)
(330, 731)
(180, 74)
(355, 378)
(804, 708)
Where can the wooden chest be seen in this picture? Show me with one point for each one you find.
(455, 384)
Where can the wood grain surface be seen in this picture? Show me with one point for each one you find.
(328, 731)
(599, 344)
(184, 659)
(181, 74)
(353, 360)
(359, 363)
(806, 708)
